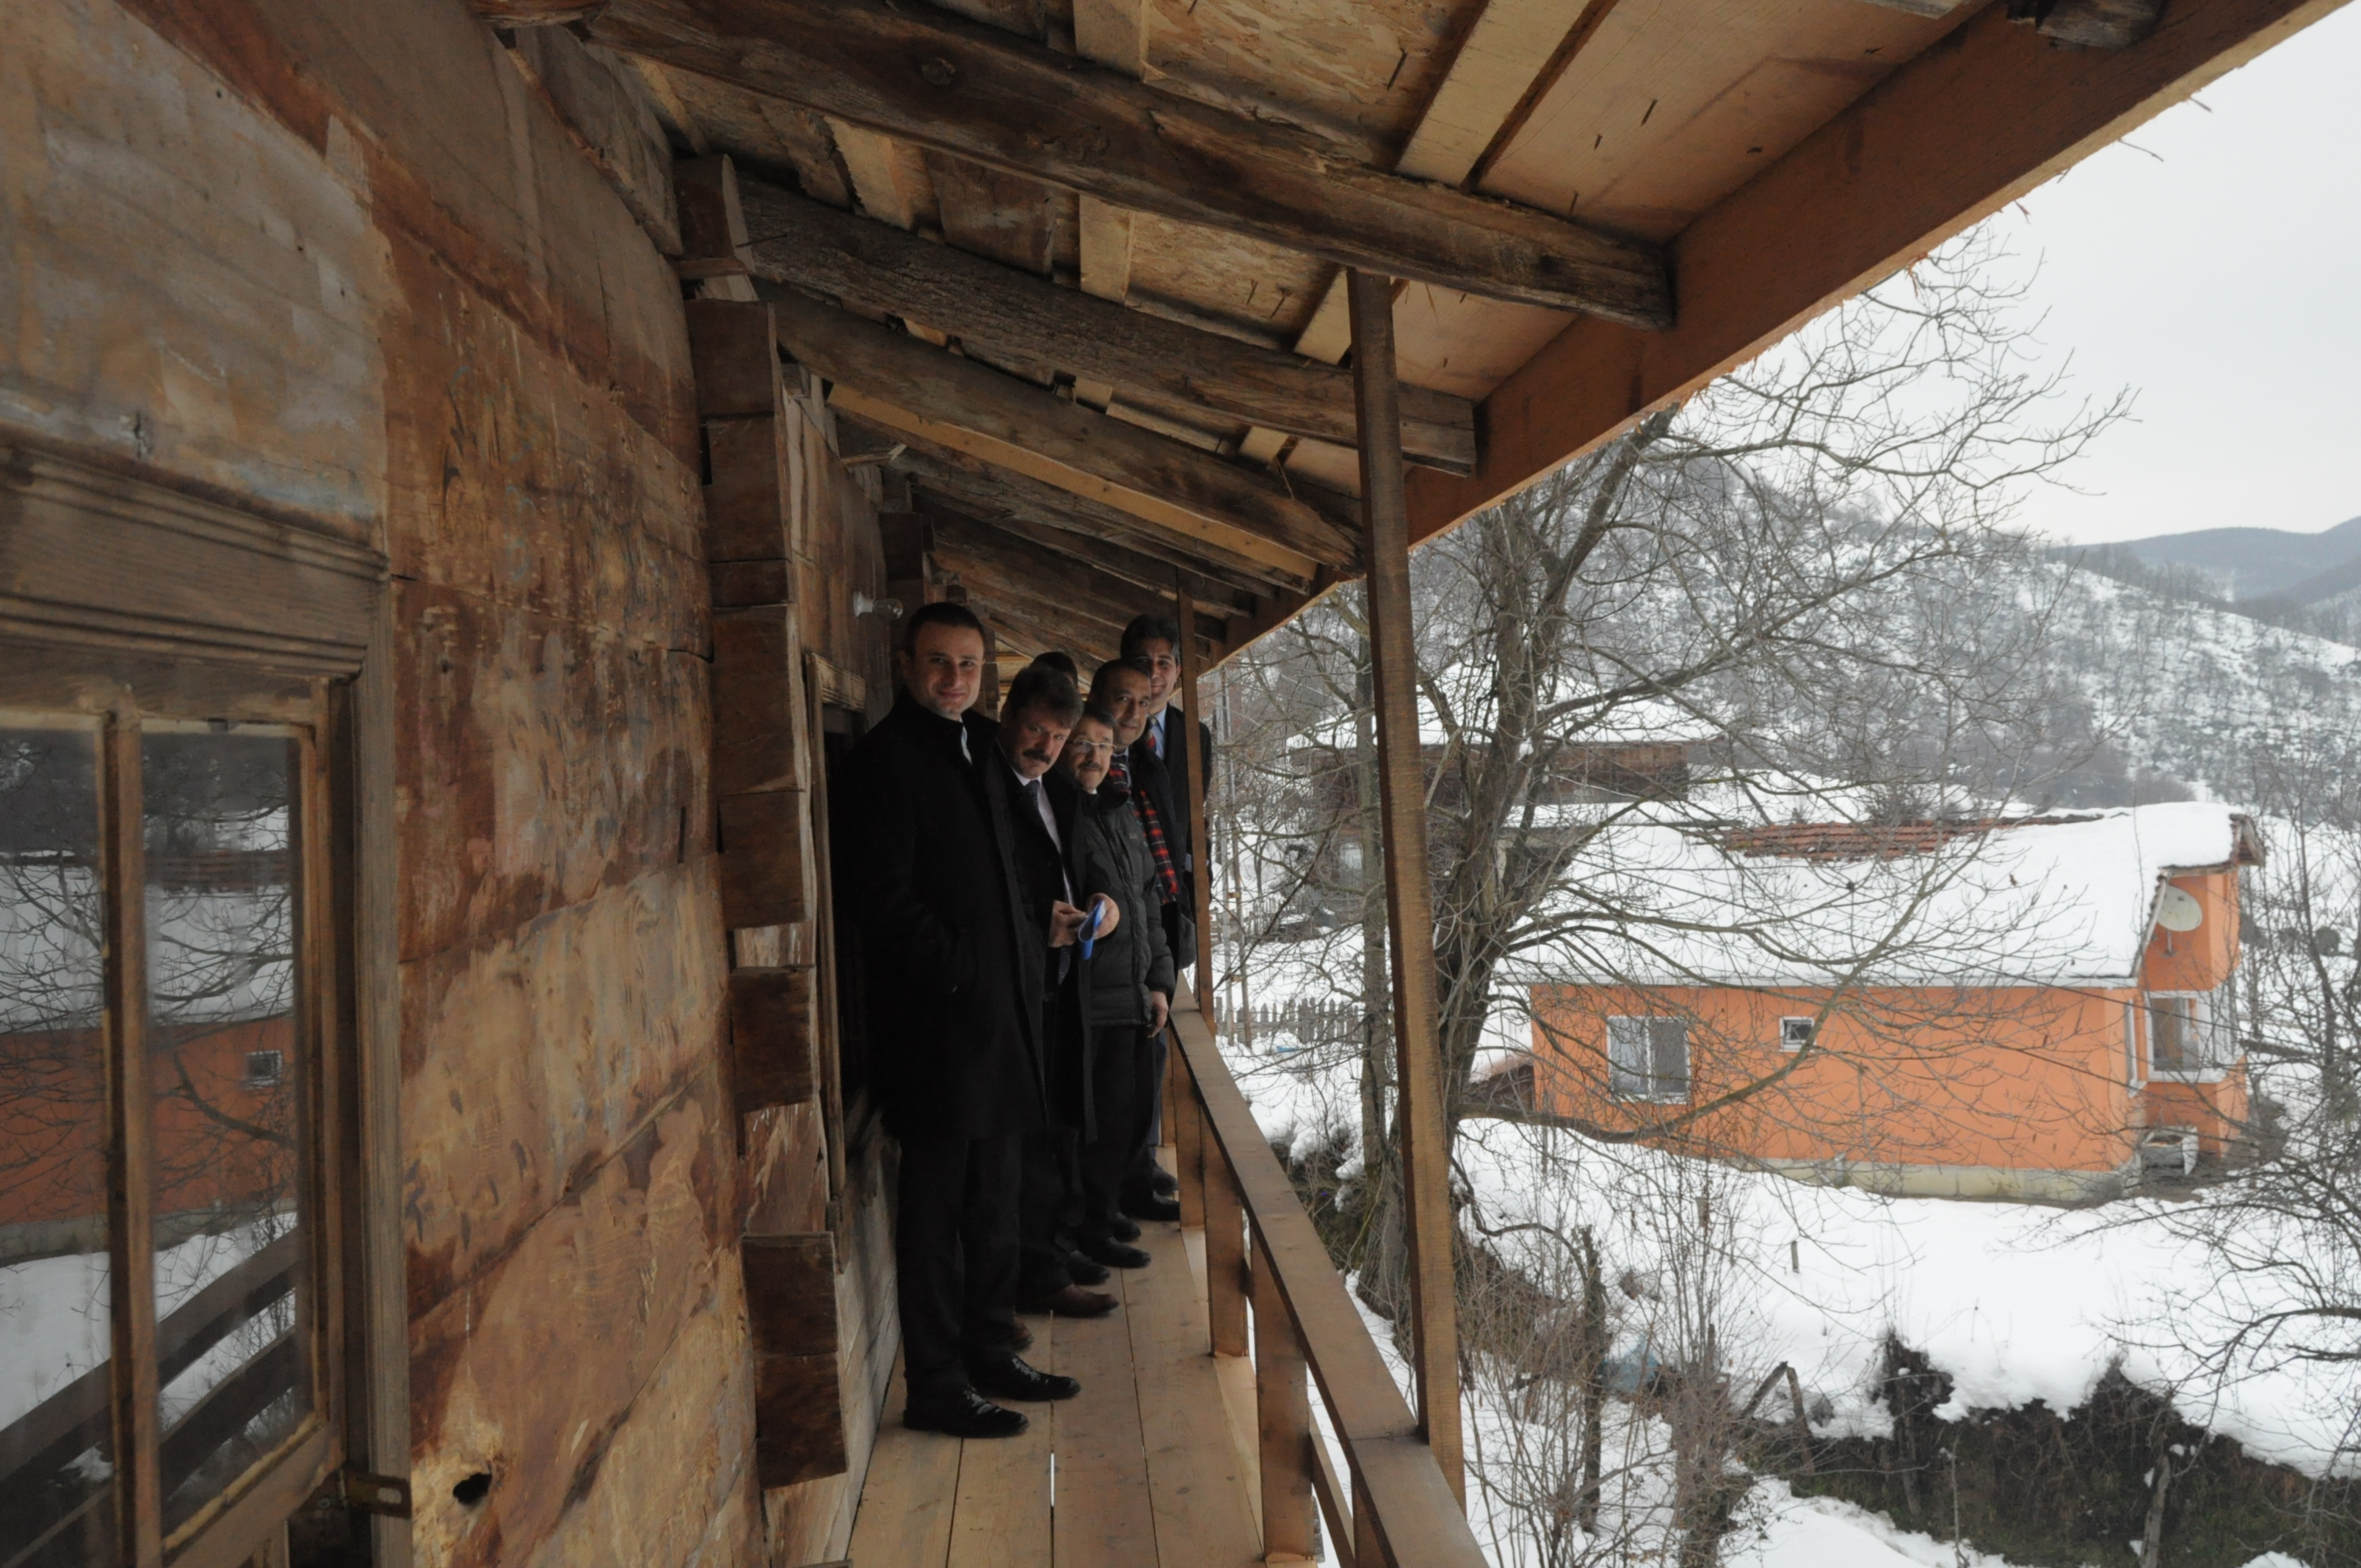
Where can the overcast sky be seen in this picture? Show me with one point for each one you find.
(2220, 280)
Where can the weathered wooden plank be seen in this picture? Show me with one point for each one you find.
(603, 103)
(766, 843)
(1197, 1487)
(773, 1036)
(758, 723)
(737, 359)
(1104, 1512)
(503, 812)
(981, 94)
(529, 1057)
(911, 1494)
(810, 246)
(798, 1400)
(1001, 1518)
(747, 501)
(741, 585)
(2090, 24)
(1007, 217)
(1053, 582)
(498, 1367)
(977, 487)
(672, 1477)
(889, 378)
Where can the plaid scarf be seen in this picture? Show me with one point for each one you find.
(1168, 880)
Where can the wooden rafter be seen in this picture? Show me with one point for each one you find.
(889, 378)
(1116, 540)
(934, 79)
(801, 242)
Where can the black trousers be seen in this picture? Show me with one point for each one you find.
(955, 1247)
(1140, 1168)
(1049, 1213)
(1122, 1066)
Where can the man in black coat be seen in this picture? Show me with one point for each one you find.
(1157, 773)
(1040, 804)
(954, 996)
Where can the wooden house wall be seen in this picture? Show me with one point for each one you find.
(339, 259)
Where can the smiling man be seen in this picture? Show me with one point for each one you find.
(953, 987)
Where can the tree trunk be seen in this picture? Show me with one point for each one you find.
(1594, 1383)
(2152, 1538)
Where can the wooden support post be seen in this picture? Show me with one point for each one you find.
(1369, 1550)
(131, 1167)
(1410, 898)
(1199, 768)
(1226, 1254)
(1186, 1121)
(1283, 1417)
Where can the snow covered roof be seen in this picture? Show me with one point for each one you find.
(2051, 900)
(1639, 722)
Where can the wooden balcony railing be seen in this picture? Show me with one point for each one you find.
(1392, 1509)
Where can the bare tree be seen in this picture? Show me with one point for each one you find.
(1806, 575)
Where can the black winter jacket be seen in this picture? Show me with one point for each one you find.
(953, 983)
(1113, 857)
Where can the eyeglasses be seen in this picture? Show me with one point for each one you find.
(1089, 748)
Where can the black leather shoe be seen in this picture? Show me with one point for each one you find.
(1123, 1230)
(1084, 1270)
(1011, 1378)
(1071, 1301)
(1115, 1253)
(966, 1414)
(1144, 1207)
(1166, 1184)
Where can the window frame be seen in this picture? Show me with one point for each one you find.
(234, 613)
(1811, 1032)
(1650, 1093)
(2204, 1022)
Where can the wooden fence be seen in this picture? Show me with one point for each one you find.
(1393, 1507)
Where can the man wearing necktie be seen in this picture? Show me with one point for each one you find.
(1157, 765)
(1042, 707)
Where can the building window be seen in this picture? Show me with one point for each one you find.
(1648, 1059)
(2185, 1036)
(177, 1046)
(1795, 1033)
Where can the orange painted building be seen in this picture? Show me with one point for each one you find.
(2044, 1015)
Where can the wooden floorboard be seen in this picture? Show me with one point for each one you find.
(1147, 1472)
(1104, 1518)
(1002, 1517)
(907, 1500)
(1202, 1514)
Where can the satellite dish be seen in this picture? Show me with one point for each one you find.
(2179, 910)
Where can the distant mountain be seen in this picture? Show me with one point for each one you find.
(2248, 563)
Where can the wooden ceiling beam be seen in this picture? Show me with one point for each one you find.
(929, 77)
(1123, 543)
(1016, 315)
(1050, 577)
(891, 379)
(1983, 116)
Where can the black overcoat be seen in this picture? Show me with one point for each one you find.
(1114, 859)
(953, 985)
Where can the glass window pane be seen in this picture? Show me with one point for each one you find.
(229, 1067)
(56, 1458)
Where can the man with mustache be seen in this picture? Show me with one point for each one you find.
(1041, 708)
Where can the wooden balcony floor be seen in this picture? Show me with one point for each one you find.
(1152, 1459)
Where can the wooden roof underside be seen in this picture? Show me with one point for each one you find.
(1076, 264)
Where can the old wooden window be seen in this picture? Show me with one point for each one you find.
(1648, 1059)
(179, 1106)
(1795, 1033)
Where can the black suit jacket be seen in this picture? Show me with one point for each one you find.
(1166, 781)
(1048, 870)
(953, 985)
